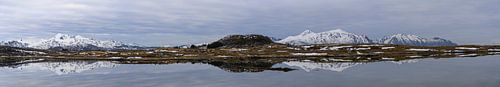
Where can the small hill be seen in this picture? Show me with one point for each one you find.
(240, 41)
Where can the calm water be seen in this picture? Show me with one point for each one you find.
(451, 72)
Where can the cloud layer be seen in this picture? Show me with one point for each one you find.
(174, 22)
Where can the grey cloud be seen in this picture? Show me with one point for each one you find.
(174, 22)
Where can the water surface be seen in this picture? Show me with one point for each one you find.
(481, 71)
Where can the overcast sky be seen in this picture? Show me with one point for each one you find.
(175, 22)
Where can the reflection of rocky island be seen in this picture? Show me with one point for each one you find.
(230, 65)
(260, 65)
(248, 66)
(65, 67)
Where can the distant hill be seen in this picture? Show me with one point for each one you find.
(238, 41)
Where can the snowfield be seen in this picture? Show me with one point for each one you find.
(467, 48)
(421, 50)
(386, 48)
(335, 47)
(309, 54)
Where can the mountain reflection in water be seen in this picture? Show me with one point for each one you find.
(64, 67)
(230, 65)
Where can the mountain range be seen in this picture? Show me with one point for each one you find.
(334, 36)
(339, 36)
(72, 42)
(406, 39)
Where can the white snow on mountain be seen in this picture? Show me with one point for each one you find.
(65, 40)
(19, 44)
(406, 39)
(312, 66)
(63, 68)
(72, 42)
(337, 36)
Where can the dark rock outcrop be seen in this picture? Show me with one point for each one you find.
(240, 41)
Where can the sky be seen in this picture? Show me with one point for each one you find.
(178, 22)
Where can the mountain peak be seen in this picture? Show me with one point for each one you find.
(338, 31)
(306, 32)
(61, 36)
(405, 35)
(438, 38)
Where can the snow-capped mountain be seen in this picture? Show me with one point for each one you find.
(64, 40)
(19, 44)
(406, 39)
(337, 36)
(311, 66)
(70, 42)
